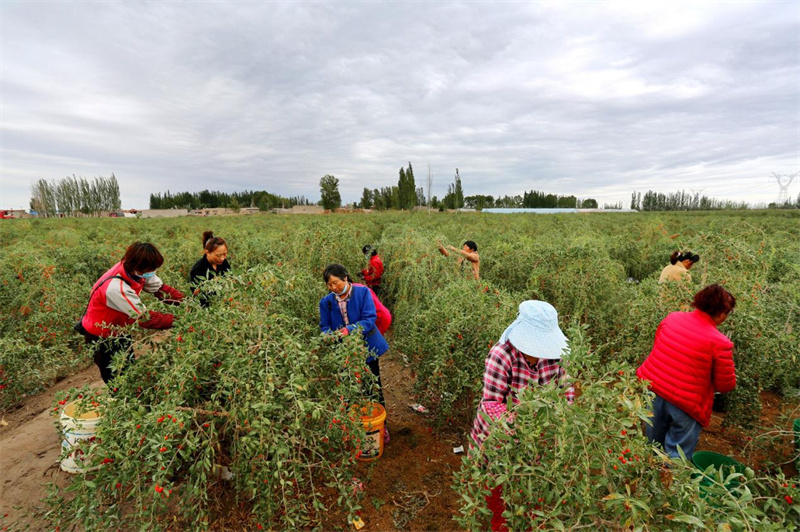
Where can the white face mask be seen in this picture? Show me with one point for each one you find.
(344, 290)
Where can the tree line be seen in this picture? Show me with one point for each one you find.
(681, 201)
(404, 196)
(530, 200)
(207, 199)
(74, 196)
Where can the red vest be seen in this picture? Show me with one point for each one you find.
(98, 312)
(690, 360)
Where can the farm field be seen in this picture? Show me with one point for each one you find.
(251, 385)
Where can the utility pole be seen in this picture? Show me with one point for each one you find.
(783, 195)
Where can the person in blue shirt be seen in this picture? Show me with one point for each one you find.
(345, 309)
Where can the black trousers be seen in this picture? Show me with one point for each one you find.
(104, 351)
(370, 391)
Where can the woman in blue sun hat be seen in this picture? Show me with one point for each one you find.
(527, 353)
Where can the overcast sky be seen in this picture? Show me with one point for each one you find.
(595, 99)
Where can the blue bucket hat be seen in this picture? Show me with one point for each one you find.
(535, 332)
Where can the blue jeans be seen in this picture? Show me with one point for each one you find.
(673, 428)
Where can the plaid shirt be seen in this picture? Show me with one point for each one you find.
(507, 374)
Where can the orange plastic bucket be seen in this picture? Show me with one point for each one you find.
(373, 417)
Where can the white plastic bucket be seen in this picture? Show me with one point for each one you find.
(76, 429)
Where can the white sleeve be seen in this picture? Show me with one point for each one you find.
(120, 296)
(153, 284)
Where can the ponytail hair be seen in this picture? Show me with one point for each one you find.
(211, 242)
(680, 256)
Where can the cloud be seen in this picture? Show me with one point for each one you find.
(593, 99)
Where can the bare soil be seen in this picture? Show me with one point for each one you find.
(408, 488)
(30, 446)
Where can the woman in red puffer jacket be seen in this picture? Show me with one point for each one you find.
(114, 302)
(690, 360)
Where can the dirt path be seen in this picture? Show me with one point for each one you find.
(29, 451)
(409, 487)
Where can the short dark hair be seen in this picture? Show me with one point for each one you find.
(471, 245)
(142, 257)
(369, 249)
(714, 300)
(211, 242)
(336, 270)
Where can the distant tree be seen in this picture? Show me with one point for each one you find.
(479, 202)
(366, 199)
(410, 192)
(394, 201)
(43, 198)
(449, 199)
(420, 196)
(406, 188)
(589, 203)
(401, 187)
(114, 200)
(567, 202)
(329, 190)
(682, 201)
(73, 195)
(234, 205)
(458, 192)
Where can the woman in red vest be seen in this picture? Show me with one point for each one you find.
(373, 274)
(690, 360)
(115, 302)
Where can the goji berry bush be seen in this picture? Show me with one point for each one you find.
(247, 385)
(587, 464)
(251, 385)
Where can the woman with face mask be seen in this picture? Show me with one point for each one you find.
(346, 309)
(213, 263)
(114, 302)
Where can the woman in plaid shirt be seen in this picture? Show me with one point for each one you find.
(527, 353)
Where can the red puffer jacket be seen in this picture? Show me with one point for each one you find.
(690, 360)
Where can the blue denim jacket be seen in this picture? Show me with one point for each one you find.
(360, 312)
